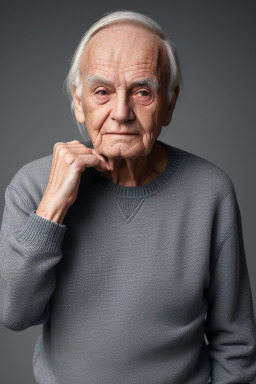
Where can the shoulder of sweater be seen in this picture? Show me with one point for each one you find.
(198, 172)
(32, 178)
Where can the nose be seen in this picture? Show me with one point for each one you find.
(122, 108)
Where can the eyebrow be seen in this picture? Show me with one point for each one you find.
(155, 85)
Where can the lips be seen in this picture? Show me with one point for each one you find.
(121, 133)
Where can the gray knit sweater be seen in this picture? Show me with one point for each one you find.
(139, 285)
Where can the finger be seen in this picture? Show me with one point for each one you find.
(104, 159)
(56, 148)
(87, 161)
(77, 147)
(102, 168)
(73, 147)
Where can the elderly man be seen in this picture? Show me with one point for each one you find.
(128, 250)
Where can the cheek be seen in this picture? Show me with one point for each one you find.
(149, 118)
(95, 118)
(150, 122)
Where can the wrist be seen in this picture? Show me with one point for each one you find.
(55, 213)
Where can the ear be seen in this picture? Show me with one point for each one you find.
(171, 106)
(78, 107)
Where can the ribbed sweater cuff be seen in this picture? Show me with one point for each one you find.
(42, 233)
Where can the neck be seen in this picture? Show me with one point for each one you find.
(139, 171)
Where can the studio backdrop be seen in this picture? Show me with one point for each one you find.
(214, 116)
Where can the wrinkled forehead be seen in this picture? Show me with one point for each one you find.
(123, 48)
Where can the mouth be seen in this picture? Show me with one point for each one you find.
(121, 133)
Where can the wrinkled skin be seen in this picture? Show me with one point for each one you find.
(112, 102)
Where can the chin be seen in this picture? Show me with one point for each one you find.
(123, 149)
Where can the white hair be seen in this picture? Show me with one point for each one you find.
(74, 75)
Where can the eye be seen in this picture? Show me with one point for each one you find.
(101, 92)
(143, 96)
(101, 95)
(143, 93)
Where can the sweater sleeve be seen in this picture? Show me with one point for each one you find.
(30, 247)
(230, 322)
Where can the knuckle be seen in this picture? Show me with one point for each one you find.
(73, 142)
(57, 145)
(69, 158)
(63, 151)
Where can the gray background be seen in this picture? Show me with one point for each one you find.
(214, 117)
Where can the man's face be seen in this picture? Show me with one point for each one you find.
(124, 102)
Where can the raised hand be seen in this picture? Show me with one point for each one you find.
(69, 161)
